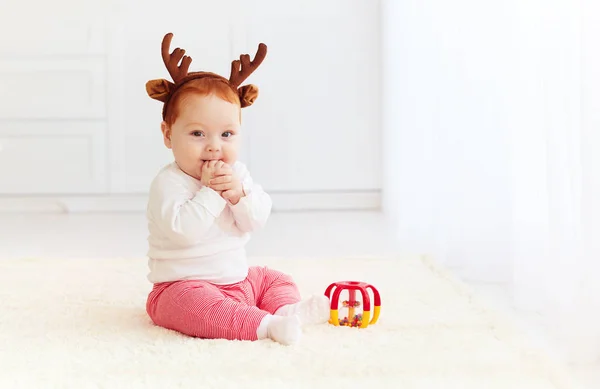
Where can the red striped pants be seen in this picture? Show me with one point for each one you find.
(204, 310)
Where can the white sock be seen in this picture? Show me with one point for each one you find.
(314, 310)
(283, 329)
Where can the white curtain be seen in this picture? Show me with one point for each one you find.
(491, 142)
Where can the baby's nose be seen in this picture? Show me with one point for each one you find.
(212, 147)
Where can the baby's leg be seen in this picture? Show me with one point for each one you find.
(276, 292)
(272, 289)
(200, 309)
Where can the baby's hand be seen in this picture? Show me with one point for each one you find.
(209, 168)
(233, 195)
(222, 169)
(228, 183)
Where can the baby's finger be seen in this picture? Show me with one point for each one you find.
(228, 194)
(218, 165)
(220, 180)
(225, 170)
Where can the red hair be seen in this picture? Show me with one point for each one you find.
(202, 86)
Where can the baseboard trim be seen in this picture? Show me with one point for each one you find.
(308, 201)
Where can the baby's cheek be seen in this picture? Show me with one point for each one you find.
(229, 155)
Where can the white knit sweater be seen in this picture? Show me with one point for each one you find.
(196, 234)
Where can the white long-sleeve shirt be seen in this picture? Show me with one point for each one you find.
(196, 234)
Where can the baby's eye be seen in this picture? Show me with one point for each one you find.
(227, 134)
(197, 133)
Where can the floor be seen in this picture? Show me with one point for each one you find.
(317, 234)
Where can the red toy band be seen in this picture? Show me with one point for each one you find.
(351, 286)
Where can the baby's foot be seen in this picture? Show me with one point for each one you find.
(314, 310)
(284, 329)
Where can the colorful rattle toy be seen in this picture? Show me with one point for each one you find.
(352, 320)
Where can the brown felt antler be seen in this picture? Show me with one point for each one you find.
(238, 76)
(171, 61)
(178, 65)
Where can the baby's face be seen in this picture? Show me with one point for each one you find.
(207, 128)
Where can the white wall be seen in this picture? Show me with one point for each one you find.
(316, 126)
(314, 132)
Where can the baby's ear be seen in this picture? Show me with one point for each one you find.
(159, 89)
(248, 94)
(166, 131)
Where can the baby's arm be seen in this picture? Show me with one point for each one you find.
(254, 207)
(184, 216)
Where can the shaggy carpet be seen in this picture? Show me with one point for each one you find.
(82, 324)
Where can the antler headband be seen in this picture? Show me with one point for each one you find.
(162, 90)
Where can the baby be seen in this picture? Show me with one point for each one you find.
(201, 210)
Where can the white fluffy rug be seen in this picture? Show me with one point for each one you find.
(82, 324)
